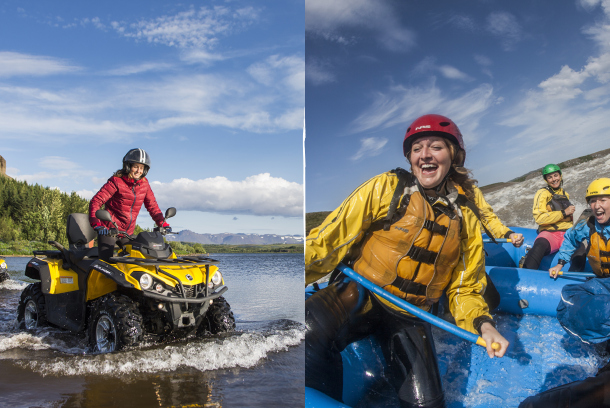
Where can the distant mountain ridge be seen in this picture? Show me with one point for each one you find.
(234, 239)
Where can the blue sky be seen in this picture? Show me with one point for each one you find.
(212, 90)
(527, 82)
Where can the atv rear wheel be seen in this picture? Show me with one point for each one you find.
(114, 323)
(32, 311)
(218, 319)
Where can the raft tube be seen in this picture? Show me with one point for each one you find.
(522, 291)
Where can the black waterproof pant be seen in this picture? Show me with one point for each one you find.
(105, 244)
(542, 248)
(345, 312)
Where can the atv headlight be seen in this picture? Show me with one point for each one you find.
(146, 281)
(3, 265)
(217, 278)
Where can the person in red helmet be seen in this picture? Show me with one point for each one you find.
(417, 235)
(123, 196)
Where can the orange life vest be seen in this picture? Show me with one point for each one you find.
(415, 257)
(599, 252)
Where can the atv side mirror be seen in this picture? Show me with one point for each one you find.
(171, 211)
(103, 215)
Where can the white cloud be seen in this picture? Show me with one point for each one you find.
(193, 28)
(57, 163)
(256, 195)
(370, 146)
(463, 21)
(138, 69)
(396, 107)
(319, 73)
(122, 108)
(58, 168)
(453, 73)
(483, 60)
(16, 64)
(289, 70)
(86, 194)
(505, 26)
(327, 18)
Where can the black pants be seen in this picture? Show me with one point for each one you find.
(105, 244)
(345, 312)
(542, 248)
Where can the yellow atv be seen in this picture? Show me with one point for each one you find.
(3, 271)
(145, 290)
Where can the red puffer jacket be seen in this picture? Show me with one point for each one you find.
(123, 197)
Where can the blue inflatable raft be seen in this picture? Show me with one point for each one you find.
(541, 355)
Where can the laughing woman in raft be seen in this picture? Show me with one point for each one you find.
(418, 236)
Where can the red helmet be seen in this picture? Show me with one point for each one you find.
(432, 125)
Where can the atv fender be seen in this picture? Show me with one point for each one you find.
(39, 269)
(112, 273)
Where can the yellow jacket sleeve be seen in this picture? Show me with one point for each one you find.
(468, 280)
(549, 220)
(328, 244)
(488, 218)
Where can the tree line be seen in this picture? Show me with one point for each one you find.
(36, 213)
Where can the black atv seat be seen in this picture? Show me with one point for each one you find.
(80, 233)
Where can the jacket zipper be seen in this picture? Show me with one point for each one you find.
(133, 188)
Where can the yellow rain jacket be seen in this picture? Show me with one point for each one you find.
(544, 216)
(488, 218)
(345, 228)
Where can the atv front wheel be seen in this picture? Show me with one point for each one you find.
(114, 323)
(218, 319)
(32, 311)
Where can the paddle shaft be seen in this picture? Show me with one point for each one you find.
(498, 240)
(416, 311)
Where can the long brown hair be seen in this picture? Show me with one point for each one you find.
(460, 174)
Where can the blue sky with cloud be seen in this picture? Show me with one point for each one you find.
(212, 90)
(527, 82)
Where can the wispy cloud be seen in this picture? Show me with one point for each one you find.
(269, 98)
(505, 26)
(261, 194)
(138, 69)
(195, 28)
(328, 18)
(370, 146)
(56, 168)
(318, 72)
(428, 66)
(463, 22)
(395, 106)
(17, 64)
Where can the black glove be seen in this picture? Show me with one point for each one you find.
(101, 230)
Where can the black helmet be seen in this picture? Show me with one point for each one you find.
(136, 156)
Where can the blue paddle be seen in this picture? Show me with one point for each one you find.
(416, 311)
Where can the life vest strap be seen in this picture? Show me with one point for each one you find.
(433, 227)
(605, 254)
(422, 255)
(409, 287)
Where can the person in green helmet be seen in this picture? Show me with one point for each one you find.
(553, 212)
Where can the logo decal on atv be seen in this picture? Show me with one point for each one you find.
(103, 270)
(66, 279)
(189, 277)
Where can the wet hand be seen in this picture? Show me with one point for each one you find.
(554, 271)
(570, 210)
(516, 239)
(491, 335)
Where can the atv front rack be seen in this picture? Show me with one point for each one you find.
(185, 260)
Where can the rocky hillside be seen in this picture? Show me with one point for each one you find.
(234, 239)
(513, 201)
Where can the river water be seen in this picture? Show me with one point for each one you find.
(259, 366)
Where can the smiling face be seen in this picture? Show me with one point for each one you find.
(601, 208)
(554, 179)
(136, 171)
(430, 160)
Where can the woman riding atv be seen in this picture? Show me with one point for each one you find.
(418, 236)
(553, 212)
(123, 194)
